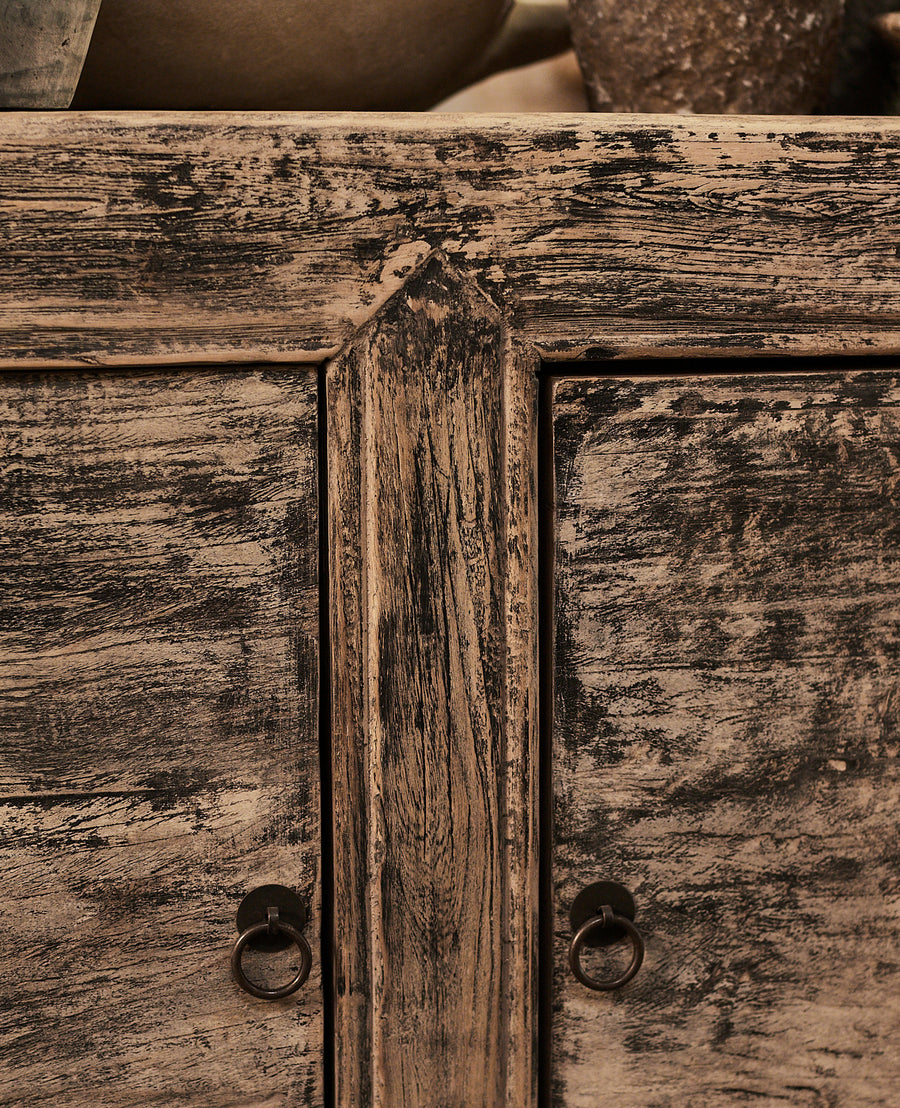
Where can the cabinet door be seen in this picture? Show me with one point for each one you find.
(158, 745)
(726, 735)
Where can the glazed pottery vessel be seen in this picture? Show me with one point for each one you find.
(305, 54)
(42, 48)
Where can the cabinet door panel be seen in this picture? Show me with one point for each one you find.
(726, 735)
(158, 734)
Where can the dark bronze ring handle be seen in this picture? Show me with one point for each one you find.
(606, 918)
(270, 925)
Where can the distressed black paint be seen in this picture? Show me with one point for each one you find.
(158, 731)
(726, 744)
(210, 237)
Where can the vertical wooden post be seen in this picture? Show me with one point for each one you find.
(433, 552)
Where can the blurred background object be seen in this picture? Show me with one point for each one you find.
(888, 27)
(792, 57)
(736, 56)
(354, 55)
(548, 86)
(866, 75)
(42, 48)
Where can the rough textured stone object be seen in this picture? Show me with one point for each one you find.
(735, 56)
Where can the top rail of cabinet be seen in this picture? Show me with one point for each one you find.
(133, 239)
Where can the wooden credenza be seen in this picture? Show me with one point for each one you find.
(436, 515)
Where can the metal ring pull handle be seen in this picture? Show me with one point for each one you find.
(606, 918)
(601, 915)
(279, 929)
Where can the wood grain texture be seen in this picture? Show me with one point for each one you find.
(432, 525)
(158, 732)
(166, 238)
(726, 743)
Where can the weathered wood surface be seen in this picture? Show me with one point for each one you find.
(726, 744)
(158, 732)
(154, 238)
(431, 477)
